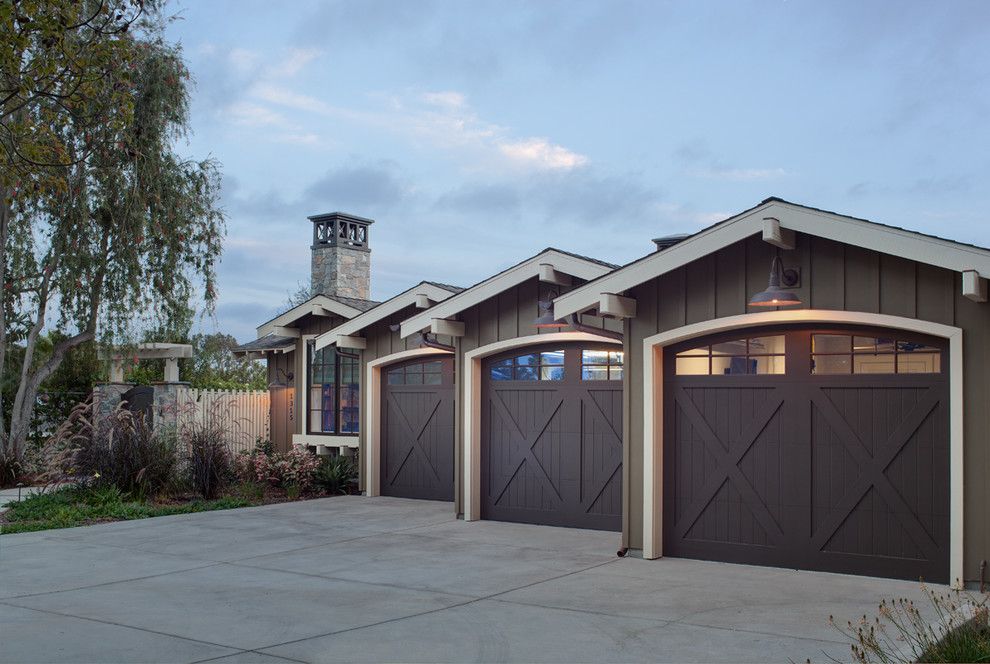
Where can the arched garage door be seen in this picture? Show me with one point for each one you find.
(824, 449)
(418, 429)
(551, 441)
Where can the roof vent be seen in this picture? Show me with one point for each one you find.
(668, 241)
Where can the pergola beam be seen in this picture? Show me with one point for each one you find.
(450, 328)
(777, 235)
(616, 306)
(974, 286)
(550, 275)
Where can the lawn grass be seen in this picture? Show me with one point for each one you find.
(71, 506)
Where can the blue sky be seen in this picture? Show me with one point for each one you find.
(477, 133)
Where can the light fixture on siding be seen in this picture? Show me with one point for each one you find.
(774, 295)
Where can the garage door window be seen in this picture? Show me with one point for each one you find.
(746, 356)
(601, 365)
(548, 365)
(423, 373)
(848, 354)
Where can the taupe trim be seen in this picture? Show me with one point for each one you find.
(565, 263)
(282, 331)
(653, 357)
(781, 238)
(319, 305)
(358, 343)
(974, 286)
(449, 328)
(616, 306)
(550, 275)
(848, 230)
(358, 324)
(471, 391)
(330, 440)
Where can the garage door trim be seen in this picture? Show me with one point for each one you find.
(372, 396)
(471, 393)
(652, 376)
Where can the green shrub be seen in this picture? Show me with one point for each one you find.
(336, 474)
(954, 629)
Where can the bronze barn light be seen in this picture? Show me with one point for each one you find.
(774, 295)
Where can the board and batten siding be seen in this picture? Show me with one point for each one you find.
(833, 276)
(287, 417)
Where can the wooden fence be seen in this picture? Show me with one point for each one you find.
(243, 415)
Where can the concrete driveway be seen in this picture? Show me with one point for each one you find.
(382, 579)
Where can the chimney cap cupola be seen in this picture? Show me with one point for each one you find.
(339, 229)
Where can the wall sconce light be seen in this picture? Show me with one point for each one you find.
(774, 295)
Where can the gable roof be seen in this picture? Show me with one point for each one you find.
(957, 256)
(566, 262)
(435, 291)
(318, 305)
(267, 343)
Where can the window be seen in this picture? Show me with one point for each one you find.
(747, 356)
(601, 365)
(849, 354)
(424, 373)
(334, 394)
(548, 365)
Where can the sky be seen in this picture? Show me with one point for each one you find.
(478, 133)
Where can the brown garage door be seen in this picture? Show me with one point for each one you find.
(418, 430)
(552, 437)
(809, 448)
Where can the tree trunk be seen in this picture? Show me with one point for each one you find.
(5, 214)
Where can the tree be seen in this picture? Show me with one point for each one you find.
(105, 228)
(214, 365)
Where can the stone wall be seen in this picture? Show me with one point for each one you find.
(341, 271)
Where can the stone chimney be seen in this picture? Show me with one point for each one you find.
(341, 262)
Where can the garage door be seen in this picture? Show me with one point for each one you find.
(551, 443)
(809, 448)
(418, 430)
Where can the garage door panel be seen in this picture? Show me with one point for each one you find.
(551, 441)
(872, 528)
(838, 472)
(727, 518)
(418, 431)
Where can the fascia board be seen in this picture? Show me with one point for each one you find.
(499, 283)
(856, 232)
(297, 312)
(587, 297)
(359, 323)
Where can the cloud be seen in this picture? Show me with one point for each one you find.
(442, 119)
(699, 161)
(249, 114)
(449, 99)
(542, 153)
(584, 197)
(718, 172)
(371, 189)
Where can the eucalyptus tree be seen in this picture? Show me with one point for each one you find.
(104, 226)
